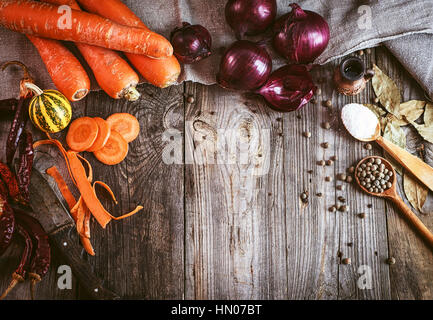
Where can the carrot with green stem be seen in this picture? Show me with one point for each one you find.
(44, 20)
(159, 72)
(65, 70)
(113, 74)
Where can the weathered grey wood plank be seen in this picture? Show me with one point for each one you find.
(363, 240)
(234, 205)
(412, 275)
(142, 256)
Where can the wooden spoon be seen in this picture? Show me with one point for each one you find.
(415, 165)
(392, 195)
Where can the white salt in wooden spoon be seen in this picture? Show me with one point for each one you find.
(416, 166)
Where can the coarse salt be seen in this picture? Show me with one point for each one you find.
(360, 121)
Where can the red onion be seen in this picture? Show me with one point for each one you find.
(250, 17)
(288, 88)
(301, 36)
(244, 66)
(191, 43)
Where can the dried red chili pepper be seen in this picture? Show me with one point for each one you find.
(11, 182)
(25, 166)
(41, 258)
(7, 224)
(21, 112)
(8, 106)
(20, 273)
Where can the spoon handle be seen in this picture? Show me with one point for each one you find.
(414, 220)
(415, 165)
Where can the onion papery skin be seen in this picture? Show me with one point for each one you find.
(300, 36)
(289, 88)
(244, 66)
(191, 43)
(250, 17)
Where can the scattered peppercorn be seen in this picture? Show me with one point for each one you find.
(190, 99)
(346, 261)
(368, 51)
(343, 208)
(334, 158)
(351, 170)
(325, 145)
(319, 91)
(319, 194)
(299, 116)
(341, 199)
(310, 171)
(349, 179)
(361, 52)
(340, 187)
(321, 163)
(341, 176)
(350, 244)
(307, 134)
(328, 179)
(326, 125)
(376, 100)
(361, 215)
(369, 206)
(390, 261)
(328, 103)
(304, 196)
(368, 146)
(332, 209)
(329, 162)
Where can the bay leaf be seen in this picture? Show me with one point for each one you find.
(416, 193)
(394, 133)
(387, 91)
(425, 131)
(411, 111)
(428, 114)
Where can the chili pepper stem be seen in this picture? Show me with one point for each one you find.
(35, 279)
(26, 78)
(16, 278)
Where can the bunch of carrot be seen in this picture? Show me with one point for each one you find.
(111, 25)
(108, 140)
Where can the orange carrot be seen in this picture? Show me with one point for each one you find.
(82, 134)
(126, 124)
(115, 151)
(159, 72)
(103, 135)
(70, 199)
(65, 70)
(113, 74)
(44, 20)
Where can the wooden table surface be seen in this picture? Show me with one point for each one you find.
(229, 224)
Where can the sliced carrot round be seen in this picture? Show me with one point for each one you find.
(82, 134)
(126, 124)
(103, 135)
(115, 150)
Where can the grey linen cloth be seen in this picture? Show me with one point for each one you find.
(406, 28)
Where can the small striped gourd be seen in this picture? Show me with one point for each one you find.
(49, 110)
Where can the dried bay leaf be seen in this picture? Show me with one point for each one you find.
(387, 91)
(428, 114)
(416, 193)
(394, 133)
(425, 131)
(411, 110)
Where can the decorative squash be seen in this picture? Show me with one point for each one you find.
(49, 110)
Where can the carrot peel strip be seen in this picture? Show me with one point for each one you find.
(66, 193)
(106, 187)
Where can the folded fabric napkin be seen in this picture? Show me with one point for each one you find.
(405, 26)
